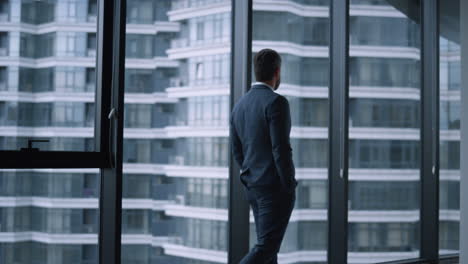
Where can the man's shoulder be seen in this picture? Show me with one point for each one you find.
(268, 95)
(278, 100)
(249, 99)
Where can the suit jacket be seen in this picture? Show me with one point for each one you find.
(260, 128)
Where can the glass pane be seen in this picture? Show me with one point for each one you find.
(384, 136)
(175, 181)
(299, 32)
(49, 216)
(450, 110)
(47, 74)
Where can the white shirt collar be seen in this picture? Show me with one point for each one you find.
(262, 83)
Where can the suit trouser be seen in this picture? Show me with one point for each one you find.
(271, 209)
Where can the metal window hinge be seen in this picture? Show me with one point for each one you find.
(112, 113)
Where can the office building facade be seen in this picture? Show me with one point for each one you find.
(176, 147)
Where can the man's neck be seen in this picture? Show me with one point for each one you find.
(268, 83)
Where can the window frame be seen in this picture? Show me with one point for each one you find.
(338, 142)
(109, 132)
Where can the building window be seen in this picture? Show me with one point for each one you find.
(140, 12)
(384, 154)
(89, 254)
(199, 71)
(4, 10)
(92, 10)
(200, 30)
(4, 44)
(90, 185)
(91, 45)
(3, 79)
(89, 221)
(135, 221)
(138, 115)
(395, 113)
(139, 81)
(137, 151)
(137, 186)
(139, 46)
(90, 79)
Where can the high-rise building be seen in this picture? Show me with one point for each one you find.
(177, 88)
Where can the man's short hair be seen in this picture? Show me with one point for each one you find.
(266, 62)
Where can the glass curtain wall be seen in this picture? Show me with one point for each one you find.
(49, 216)
(175, 182)
(299, 32)
(47, 74)
(450, 110)
(47, 86)
(384, 132)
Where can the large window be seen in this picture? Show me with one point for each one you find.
(177, 83)
(47, 92)
(382, 72)
(47, 78)
(175, 181)
(51, 214)
(450, 76)
(300, 33)
(384, 122)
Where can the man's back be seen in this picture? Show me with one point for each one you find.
(260, 127)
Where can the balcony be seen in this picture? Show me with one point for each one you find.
(178, 82)
(179, 43)
(181, 4)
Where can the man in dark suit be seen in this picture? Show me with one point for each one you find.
(260, 128)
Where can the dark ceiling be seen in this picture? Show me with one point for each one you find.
(449, 15)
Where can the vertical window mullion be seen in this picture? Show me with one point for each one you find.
(338, 133)
(241, 53)
(109, 128)
(430, 131)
